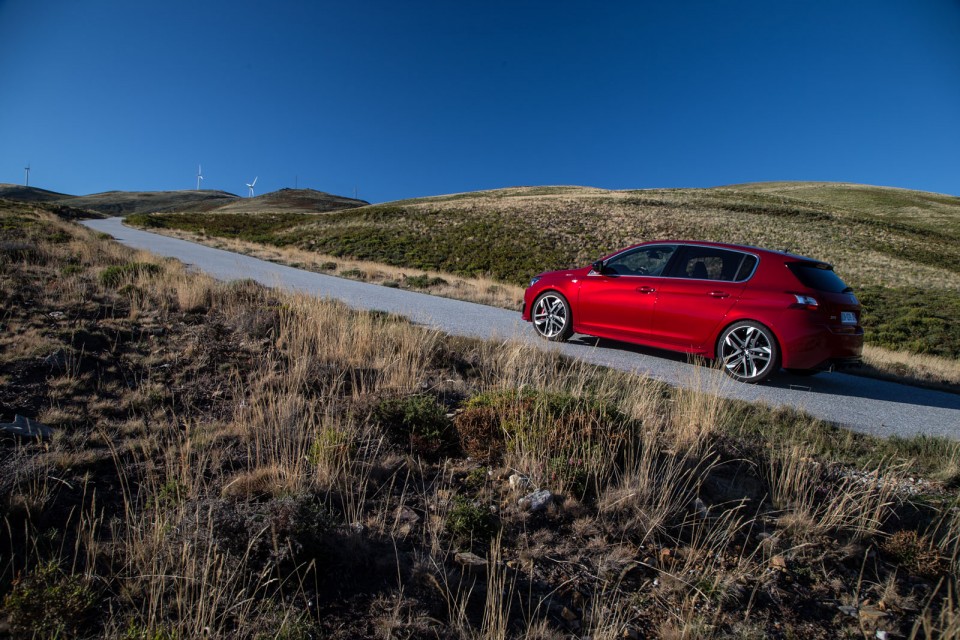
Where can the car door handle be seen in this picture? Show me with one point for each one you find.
(718, 294)
(645, 289)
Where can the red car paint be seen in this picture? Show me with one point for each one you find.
(688, 311)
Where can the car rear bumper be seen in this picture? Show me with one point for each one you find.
(823, 348)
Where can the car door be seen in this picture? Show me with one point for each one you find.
(618, 302)
(703, 285)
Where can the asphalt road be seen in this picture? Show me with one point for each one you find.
(870, 406)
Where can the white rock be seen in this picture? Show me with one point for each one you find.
(537, 500)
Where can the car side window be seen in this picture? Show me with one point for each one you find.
(643, 261)
(710, 263)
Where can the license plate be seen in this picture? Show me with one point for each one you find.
(848, 317)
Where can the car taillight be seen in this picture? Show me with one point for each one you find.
(806, 302)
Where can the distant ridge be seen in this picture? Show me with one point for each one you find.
(124, 203)
(21, 193)
(291, 201)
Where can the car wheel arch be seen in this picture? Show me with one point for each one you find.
(728, 322)
(571, 327)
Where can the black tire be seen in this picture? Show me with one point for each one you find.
(748, 352)
(551, 317)
(804, 373)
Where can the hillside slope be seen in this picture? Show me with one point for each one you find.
(121, 203)
(899, 249)
(290, 201)
(124, 203)
(21, 193)
(231, 461)
(873, 235)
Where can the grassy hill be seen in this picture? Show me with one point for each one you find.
(230, 461)
(21, 193)
(290, 201)
(900, 249)
(872, 235)
(124, 203)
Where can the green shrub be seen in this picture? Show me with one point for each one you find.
(59, 237)
(919, 320)
(495, 422)
(469, 522)
(49, 603)
(424, 281)
(418, 422)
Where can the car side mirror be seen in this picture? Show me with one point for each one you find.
(597, 266)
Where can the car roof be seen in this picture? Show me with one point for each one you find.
(735, 247)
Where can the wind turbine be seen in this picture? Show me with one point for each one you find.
(26, 173)
(199, 176)
(250, 184)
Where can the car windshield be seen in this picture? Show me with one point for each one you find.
(818, 276)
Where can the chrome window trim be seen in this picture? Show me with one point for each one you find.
(678, 246)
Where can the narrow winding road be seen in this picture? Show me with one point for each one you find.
(870, 406)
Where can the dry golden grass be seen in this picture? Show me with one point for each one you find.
(903, 366)
(480, 290)
(187, 503)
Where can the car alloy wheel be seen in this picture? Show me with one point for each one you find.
(551, 317)
(748, 352)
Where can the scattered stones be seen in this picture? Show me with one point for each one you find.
(536, 501)
(848, 610)
(26, 428)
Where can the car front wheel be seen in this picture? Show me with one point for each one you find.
(748, 352)
(551, 317)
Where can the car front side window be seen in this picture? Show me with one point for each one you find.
(643, 261)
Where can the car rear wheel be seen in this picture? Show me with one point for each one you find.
(551, 317)
(748, 352)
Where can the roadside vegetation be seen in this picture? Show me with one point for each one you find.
(899, 249)
(230, 461)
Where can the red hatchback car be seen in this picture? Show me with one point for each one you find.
(753, 309)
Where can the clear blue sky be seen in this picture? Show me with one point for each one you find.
(409, 98)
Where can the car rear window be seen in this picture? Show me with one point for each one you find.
(712, 263)
(818, 276)
(746, 267)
